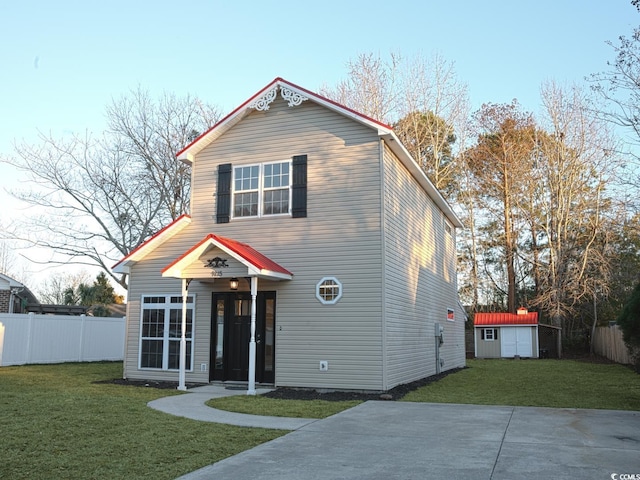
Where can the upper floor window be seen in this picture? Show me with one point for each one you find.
(277, 188)
(263, 189)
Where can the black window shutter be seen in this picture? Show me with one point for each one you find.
(482, 333)
(299, 187)
(223, 194)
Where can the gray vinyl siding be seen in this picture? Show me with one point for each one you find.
(487, 348)
(420, 280)
(340, 237)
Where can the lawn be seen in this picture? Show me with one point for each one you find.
(276, 407)
(540, 383)
(56, 423)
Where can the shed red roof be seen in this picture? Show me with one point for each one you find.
(530, 318)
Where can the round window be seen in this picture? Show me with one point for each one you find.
(329, 290)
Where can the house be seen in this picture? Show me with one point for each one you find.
(506, 335)
(317, 255)
(14, 296)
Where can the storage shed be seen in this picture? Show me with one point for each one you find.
(506, 335)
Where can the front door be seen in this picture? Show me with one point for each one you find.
(231, 333)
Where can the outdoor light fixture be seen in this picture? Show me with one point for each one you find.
(233, 284)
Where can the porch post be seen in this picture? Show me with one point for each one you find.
(251, 390)
(183, 338)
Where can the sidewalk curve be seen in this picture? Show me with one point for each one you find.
(192, 405)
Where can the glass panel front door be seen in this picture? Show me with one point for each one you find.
(230, 335)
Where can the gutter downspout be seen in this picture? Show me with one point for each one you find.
(12, 296)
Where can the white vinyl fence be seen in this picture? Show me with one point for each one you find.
(30, 338)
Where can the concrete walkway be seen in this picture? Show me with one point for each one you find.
(192, 405)
(402, 440)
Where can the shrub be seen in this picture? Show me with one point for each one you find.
(629, 321)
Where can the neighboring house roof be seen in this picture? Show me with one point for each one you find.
(19, 289)
(257, 263)
(529, 318)
(124, 265)
(296, 95)
(46, 309)
(7, 282)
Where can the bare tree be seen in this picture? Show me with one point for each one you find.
(578, 161)
(371, 87)
(99, 198)
(420, 97)
(11, 264)
(54, 289)
(152, 133)
(620, 85)
(7, 258)
(433, 114)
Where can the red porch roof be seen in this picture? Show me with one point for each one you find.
(254, 260)
(530, 318)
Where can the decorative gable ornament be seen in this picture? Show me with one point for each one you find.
(216, 262)
(292, 98)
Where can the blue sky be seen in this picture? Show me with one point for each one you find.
(61, 62)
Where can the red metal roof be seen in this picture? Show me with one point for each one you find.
(242, 250)
(530, 318)
(250, 254)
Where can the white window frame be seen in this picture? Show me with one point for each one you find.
(167, 306)
(321, 285)
(493, 334)
(261, 190)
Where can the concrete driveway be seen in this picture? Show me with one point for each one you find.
(401, 440)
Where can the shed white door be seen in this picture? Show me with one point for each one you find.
(516, 341)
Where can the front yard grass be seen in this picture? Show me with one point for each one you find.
(277, 407)
(56, 423)
(534, 383)
(537, 383)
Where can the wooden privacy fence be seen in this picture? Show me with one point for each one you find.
(608, 342)
(30, 338)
